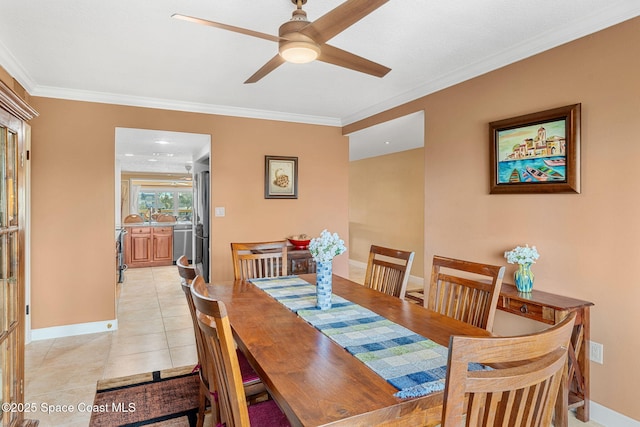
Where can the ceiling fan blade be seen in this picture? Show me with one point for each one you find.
(273, 63)
(227, 27)
(342, 17)
(342, 58)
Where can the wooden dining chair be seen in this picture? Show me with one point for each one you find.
(521, 386)
(164, 217)
(133, 219)
(388, 270)
(254, 388)
(186, 272)
(234, 411)
(465, 290)
(260, 259)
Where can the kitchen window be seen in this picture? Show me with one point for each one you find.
(174, 202)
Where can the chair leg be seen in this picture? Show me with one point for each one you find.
(193, 419)
(202, 403)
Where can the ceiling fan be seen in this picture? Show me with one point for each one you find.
(301, 41)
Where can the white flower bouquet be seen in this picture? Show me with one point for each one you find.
(522, 255)
(326, 247)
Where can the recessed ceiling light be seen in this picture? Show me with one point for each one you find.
(128, 155)
(163, 154)
(387, 142)
(152, 160)
(162, 142)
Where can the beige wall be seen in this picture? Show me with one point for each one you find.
(589, 241)
(386, 205)
(73, 180)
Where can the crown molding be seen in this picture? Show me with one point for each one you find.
(166, 104)
(597, 21)
(613, 14)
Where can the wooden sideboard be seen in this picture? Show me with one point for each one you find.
(550, 308)
(299, 261)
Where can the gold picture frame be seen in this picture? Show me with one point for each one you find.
(280, 177)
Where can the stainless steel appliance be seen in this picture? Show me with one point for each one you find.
(120, 265)
(182, 241)
(202, 207)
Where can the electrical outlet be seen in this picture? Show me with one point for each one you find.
(596, 352)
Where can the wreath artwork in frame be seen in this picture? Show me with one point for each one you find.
(537, 153)
(280, 177)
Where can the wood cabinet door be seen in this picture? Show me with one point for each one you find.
(140, 247)
(163, 244)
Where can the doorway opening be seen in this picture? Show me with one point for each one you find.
(161, 174)
(386, 193)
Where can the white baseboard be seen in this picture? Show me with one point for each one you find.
(610, 418)
(415, 282)
(71, 330)
(358, 263)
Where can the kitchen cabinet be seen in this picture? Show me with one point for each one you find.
(163, 245)
(139, 250)
(148, 246)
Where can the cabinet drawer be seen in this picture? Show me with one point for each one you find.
(163, 230)
(527, 309)
(140, 230)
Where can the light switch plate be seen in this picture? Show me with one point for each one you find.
(219, 211)
(596, 351)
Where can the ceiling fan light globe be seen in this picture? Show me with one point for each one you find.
(299, 52)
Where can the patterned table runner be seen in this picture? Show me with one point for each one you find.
(413, 364)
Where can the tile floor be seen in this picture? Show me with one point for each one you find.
(154, 332)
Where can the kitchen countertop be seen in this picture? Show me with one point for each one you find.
(156, 224)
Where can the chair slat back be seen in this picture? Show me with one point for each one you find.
(214, 323)
(189, 275)
(527, 373)
(388, 270)
(260, 259)
(187, 272)
(133, 219)
(471, 298)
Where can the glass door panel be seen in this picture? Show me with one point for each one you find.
(4, 301)
(11, 278)
(3, 196)
(12, 179)
(5, 385)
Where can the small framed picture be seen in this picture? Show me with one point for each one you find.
(280, 177)
(536, 153)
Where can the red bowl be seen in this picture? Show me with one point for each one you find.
(300, 244)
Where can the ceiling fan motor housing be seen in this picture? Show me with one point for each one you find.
(294, 46)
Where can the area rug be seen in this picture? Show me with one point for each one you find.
(160, 398)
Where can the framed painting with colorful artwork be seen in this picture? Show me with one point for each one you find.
(536, 153)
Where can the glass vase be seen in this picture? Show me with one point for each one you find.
(323, 284)
(524, 278)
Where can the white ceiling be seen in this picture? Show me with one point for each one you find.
(401, 134)
(156, 151)
(132, 52)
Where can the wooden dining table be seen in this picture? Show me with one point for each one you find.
(315, 381)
